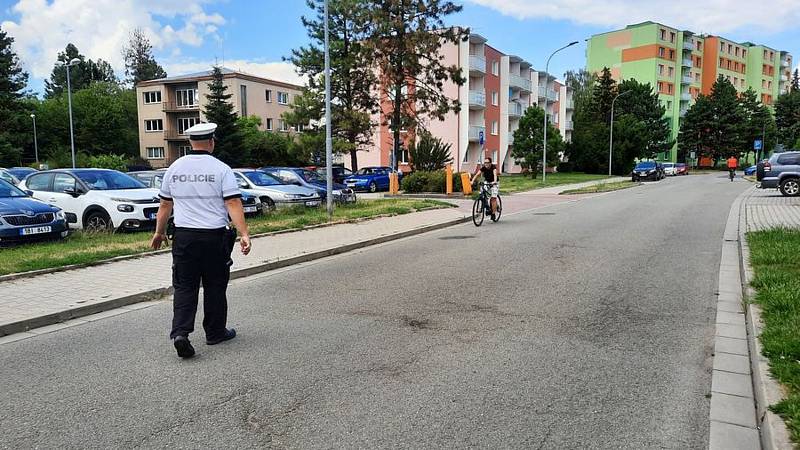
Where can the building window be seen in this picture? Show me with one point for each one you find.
(671, 54)
(744, 53)
(660, 86)
(661, 51)
(495, 98)
(402, 155)
(269, 124)
(670, 71)
(186, 98)
(730, 49)
(669, 88)
(722, 46)
(697, 77)
(672, 37)
(729, 65)
(697, 45)
(153, 125)
(496, 68)
(151, 97)
(744, 68)
(495, 128)
(155, 152)
(268, 95)
(661, 69)
(243, 100)
(669, 105)
(184, 123)
(282, 125)
(184, 150)
(766, 54)
(737, 51)
(663, 34)
(283, 98)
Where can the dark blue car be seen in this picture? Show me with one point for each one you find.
(370, 179)
(750, 171)
(313, 180)
(23, 219)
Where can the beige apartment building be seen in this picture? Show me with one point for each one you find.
(169, 106)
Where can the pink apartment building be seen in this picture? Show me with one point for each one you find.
(499, 89)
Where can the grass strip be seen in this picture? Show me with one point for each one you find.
(601, 187)
(510, 184)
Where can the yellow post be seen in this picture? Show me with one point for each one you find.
(393, 188)
(448, 176)
(466, 186)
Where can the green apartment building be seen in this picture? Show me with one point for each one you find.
(680, 65)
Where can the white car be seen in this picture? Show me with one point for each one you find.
(273, 192)
(670, 169)
(96, 199)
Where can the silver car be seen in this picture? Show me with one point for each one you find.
(273, 192)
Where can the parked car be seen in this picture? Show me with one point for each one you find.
(670, 169)
(5, 175)
(272, 192)
(370, 179)
(150, 178)
(24, 219)
(750, 170)
(682, 169)
(648, 170)
(781, 171)
(251, 204)
(21, 172)
(339, 173)
(96, 199)
(312, 180)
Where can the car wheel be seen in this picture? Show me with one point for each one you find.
(267, 205)
(373, 187)
(97, 222)
(790, 187)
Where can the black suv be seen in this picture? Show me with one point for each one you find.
(648, 170)
(782, 171)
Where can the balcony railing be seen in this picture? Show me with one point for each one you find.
(685, 96)
(569, 125)
(477, 64)
(510, 138)
(570, 103)
(475, 131)
(174, 106)
(552, 95)
(516, 81)
(683, 111)
(786, 62)
(686, 62)
(175, 135)
(686, 79)
(477, 99)
(784, 77)
(515, 109)
(688, 45)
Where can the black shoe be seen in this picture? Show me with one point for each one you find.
(183, 346)
(229, 334)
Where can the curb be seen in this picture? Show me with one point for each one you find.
(155, 294)
(774, 434)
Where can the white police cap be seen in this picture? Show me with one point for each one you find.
(201, 131)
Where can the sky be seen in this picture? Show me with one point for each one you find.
(255, 35)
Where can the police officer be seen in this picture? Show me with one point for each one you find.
(203, 192)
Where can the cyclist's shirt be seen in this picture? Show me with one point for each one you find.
(732, 163)
(488, 173)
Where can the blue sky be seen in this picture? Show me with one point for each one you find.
(253, 36)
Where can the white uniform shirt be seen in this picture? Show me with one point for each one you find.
(198, 185)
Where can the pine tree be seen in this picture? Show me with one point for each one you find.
(795, 86)
(406, 38)
(603, 95)
(352, 74)
(140, 64)
(647, 120)
(13, 81)
(787, 118)
(81, 75)
(714, 124)
(759, 123)
(219, 110)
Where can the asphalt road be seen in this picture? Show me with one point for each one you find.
(581, 325)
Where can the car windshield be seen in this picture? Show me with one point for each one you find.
(107, 180)
(367, 171)
(646, 165)
(311, 177)
(21, 172)
(7, 190)
(6, 176)
(669, 165)
(262, 179)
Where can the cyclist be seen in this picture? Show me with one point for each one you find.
(733, 163)
(490, 175)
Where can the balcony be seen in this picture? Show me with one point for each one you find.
(786, 61)
(175, 135)
(569, 125)
(686, 62)
(688, 45)
(685, 96)
(784, 77)
(515, 109)
(570, 104)
(477, 65)
(477, 99)
(683, 112)
(474, 133)
(175, 107)
(518, 82)
(686, 79)
(549, 94)
(510, 138)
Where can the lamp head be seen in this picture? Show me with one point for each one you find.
(572, 43)
(74, 62)
(33, 116)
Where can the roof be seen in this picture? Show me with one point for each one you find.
(208, 74)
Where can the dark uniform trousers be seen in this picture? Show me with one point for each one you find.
(200, 256)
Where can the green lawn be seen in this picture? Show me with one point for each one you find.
(519, 183)
(602, 187)
(774, 256)
(81, 248)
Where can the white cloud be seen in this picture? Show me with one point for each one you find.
(279, 71)
(709, 16)
(100, 28)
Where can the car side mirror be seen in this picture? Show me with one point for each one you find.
(30, 193)
(242, 185)
(73, 192)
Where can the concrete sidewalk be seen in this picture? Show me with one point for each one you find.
(41, 300)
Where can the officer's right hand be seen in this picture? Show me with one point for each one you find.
(244, 241)
(157, 241)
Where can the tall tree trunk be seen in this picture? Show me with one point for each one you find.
(354, 160)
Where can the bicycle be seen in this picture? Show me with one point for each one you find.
(483, 205)
(732, 173)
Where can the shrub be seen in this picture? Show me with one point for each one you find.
(429, 181)
(565, 167)
(429, 153)
(115, 162)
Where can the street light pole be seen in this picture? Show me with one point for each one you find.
(73, 62)
(611, 133)
(35, 142)
(546, 86)
(328, 132)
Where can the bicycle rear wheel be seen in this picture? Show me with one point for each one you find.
(478, 212)
(499, 209)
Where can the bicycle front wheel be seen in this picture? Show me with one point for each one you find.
(478, 212)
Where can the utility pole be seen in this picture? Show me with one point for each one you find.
(328, 132)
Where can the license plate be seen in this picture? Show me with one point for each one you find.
(313, 203)
(151, 216)
(250, 209)
(35, 230)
